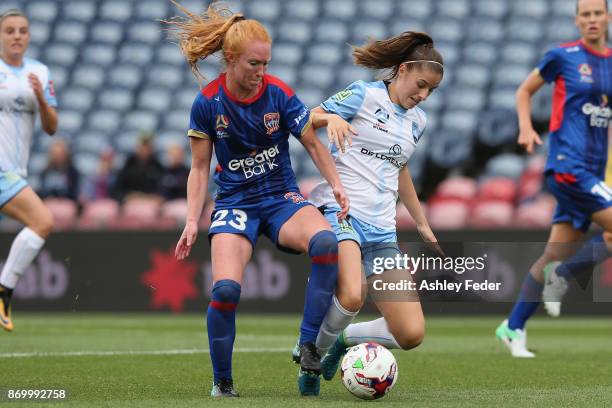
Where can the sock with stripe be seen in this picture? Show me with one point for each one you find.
(376, 331)
(323, 251)
(221, 326)
(527, 303)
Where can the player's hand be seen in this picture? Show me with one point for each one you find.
(430, 239)
(528, 138)
(339, 131)
(343, 200)
(188, 238)
(36, 87)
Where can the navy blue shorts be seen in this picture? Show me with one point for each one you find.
(265, 216)
(579, 194)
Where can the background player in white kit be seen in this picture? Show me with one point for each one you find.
(387, 125)
(26, 90)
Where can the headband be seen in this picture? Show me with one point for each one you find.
(433, 62)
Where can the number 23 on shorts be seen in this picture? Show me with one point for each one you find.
(234, 218)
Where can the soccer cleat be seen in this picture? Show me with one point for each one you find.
(5, 308)
(515, 340)
(309, 382)
(223, 388)
(331, 360)
(555, 287)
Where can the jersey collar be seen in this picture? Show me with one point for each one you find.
(250, 100)
(607, 53)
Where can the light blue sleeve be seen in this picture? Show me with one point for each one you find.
(346, 103)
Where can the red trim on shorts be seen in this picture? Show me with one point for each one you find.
(565, 178)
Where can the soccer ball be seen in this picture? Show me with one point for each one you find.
(369, 371)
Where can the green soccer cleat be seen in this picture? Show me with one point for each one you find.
(331, 360)
(223, 389)
(309, 382)
(515, 340)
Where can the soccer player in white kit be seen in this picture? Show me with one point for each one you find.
(387, 124)
(26, 91)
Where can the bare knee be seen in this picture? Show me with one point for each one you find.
(43, 224)
(410, 338)
(350, 301)
(607, 237)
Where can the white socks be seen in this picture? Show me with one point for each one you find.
(375, 330)
(24, 249)
(336, 320)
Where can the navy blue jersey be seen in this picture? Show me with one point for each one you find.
(581, 110)
(251, 137)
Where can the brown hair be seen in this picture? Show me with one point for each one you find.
(214, 30)
(393, 52)
(578, 4)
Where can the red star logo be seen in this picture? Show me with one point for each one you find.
(171, 281)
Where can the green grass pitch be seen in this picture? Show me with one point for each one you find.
(154, 360)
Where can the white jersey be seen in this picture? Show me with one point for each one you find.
(369, 169)
(18, 112)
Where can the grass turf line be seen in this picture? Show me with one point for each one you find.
(458, 365)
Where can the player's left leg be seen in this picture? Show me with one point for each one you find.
(308, 231)
(26, 207)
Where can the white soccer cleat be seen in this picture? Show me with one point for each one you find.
(515, 340)
(555, 287)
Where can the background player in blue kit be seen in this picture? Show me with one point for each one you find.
(388, 125)
(575, 170)
(247, 115)
(26, 91)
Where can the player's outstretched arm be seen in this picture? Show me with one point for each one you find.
(324, 162)
(409, 198)
(528, 137)
(338, 130)
(197, 186)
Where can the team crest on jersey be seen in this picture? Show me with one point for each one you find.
(382, 117)
(586, 73)
(271, 122)
(3, 78)
(221, 126)
(416, 132)
(295, 197)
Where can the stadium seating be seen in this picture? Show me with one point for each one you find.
(117, 72)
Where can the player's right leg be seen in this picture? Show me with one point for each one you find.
(20, 202)
(349, 297)
(512, 331)
(230, 254)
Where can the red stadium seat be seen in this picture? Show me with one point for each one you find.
(530, 185)
(448, 214)
(403, 219)
(461, 188)
(64, 212)
(175, 209)
(98, 214)
(138, 213)
(536, 213)
(497, 189)
(491, 214)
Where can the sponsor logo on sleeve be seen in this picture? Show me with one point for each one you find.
(342, 95)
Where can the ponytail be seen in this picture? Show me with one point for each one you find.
(409, 46)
